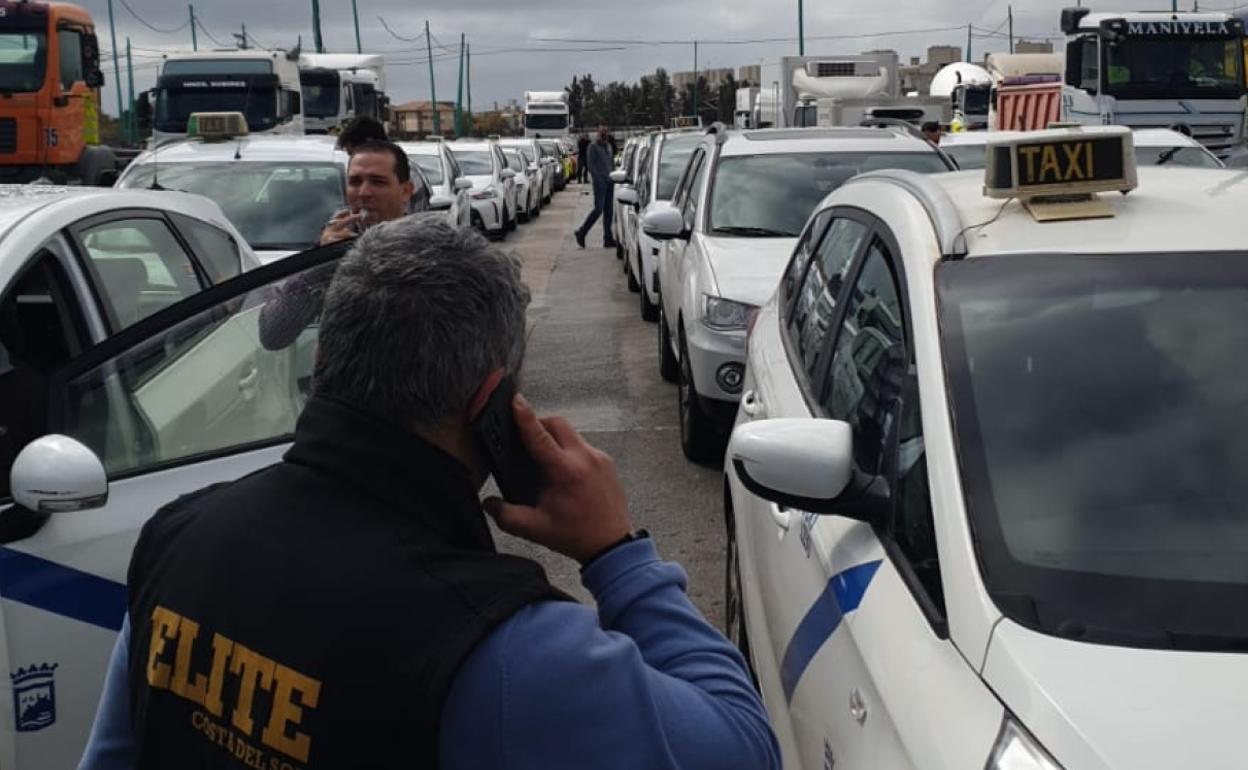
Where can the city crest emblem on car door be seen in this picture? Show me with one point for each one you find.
(34, 697)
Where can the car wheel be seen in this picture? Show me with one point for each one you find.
(619, 250)
(734, 598)
(633, 285)
(509, 222)
(649, 310)
(698, 438)
(669, 367)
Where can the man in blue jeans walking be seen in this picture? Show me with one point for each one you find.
(599, 161)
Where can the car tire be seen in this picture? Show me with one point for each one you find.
(698, 437)
(509, 222)
(633, 285)
(649, 310)
(619, 250)
(734, 597)
(669, 367)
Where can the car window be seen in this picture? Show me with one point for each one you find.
(673, 157)
(454, 164)
(138, 267)
(692, 195)
(686, 180)
(474, 162)
(431, 165)
(217, 251)
(912, 526)
(70, 58)
(868, 361)
(233, 374)
(814, 310)
(801, 256)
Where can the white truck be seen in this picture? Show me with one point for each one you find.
(339, 86)
(743, 116)
(1154, 69)
(797, 91)
(262, 85)
(546, 114)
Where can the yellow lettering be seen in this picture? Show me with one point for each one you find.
(1072, 161)
(1030, 154)
(182, 683)
(164, 624)
(1048, 164)
(250, 666)
(221, 648)
(285, 711)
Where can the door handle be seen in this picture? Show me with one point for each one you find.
(752, 405)
(248, 381)
(783, 516)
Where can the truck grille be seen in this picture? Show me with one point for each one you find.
(8, 135)
(1214, 136)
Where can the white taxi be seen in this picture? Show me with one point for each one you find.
(735, 215)
(493, 191)
(277, 190)
(536, 163)
(81, 271)
(448, 188)
(986, 492)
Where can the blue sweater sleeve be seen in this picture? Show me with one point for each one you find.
(111, 745)
(646, 682)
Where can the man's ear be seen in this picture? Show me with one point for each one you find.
(408, 188)
(477, 403)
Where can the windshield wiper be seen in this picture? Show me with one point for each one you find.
(1167, 156)
(751, 232)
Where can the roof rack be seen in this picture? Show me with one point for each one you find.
(939, 206)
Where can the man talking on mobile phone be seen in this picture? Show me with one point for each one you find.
(346, 607)
(379, 188)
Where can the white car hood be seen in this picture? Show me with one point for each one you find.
(748, 269)
(481, 182)
(1099, 706)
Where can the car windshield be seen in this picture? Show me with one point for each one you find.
(1196, 157)
(175, 103)
(1100, 411)
(773, 195)
(321, 93)
(276, 206)
(431, 165)
(474, 162)
(23, 61)
(967, 156)
(673, 155)
(1199, 68)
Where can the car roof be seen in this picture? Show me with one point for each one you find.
(420, 148)
(460, 144)
(1205, 201)
(1142, 137)
(768, 141)
(259, 147)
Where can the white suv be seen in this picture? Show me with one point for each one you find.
(493, 185)
(737, 211)
(449, 187)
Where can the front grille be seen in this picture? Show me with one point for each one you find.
(8, 135)
(1214, 136)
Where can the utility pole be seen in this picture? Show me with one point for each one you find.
(1011, 19)
(116, 64)
(194, 39)
(242, 40)
(801, 31)
(317, 42)
(968, 42)
(472, 124)
(133, 120)
(459, 92)
(355, 14)
(433, 88)
(696, 78)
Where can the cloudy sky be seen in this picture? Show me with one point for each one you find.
(509, 38)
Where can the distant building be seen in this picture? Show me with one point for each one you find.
(750, 73)
(1033, 46)
(918, 77)
(415, 119)
(713, 77)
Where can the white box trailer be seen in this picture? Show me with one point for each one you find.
(339, 86)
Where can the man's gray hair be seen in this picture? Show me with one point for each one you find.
(418, 314)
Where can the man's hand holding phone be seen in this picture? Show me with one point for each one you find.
(581, 508)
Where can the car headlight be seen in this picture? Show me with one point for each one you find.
(1017, 750)
(724, 314)
(483, 195)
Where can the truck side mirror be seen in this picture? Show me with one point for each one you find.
(294, 103)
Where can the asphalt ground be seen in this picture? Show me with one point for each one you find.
(594, 361)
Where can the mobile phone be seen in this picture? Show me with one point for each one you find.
(517, 474)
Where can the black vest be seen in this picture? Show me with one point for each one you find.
(314, 613)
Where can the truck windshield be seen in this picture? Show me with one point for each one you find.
(546, 121)
(1192, 68)
(23, 61)
(255, 96)
(321, 93)
(1100, 412)
(276, 206)
(771, 196)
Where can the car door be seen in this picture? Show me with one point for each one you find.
(673, 250)
(139, 401)
(806, 567)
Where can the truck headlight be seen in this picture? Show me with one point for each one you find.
(1017, 750)
(725, 314)
(483, 195)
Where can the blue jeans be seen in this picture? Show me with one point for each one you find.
(603, 200)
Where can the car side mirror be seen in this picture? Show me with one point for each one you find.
(463, 183)
(56, 473)
(441, 202)
(534, 167)
(619, 177)
(664, 224)
(626, 195)
(796, 462)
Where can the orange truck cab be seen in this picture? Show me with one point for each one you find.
(49, 95)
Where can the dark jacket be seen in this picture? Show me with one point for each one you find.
(315, 612)
(599, 161)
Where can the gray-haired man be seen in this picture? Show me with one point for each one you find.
(347, 608)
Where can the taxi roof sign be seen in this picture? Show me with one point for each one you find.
(216, 125)
(1061, 163)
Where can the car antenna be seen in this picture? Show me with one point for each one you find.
(155, 185)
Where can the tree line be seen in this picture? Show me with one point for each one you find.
(652, 101)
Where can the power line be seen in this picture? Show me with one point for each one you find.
(396, 35)
(497, 52)
(755, 41)
(153, 27)
(211, 37)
